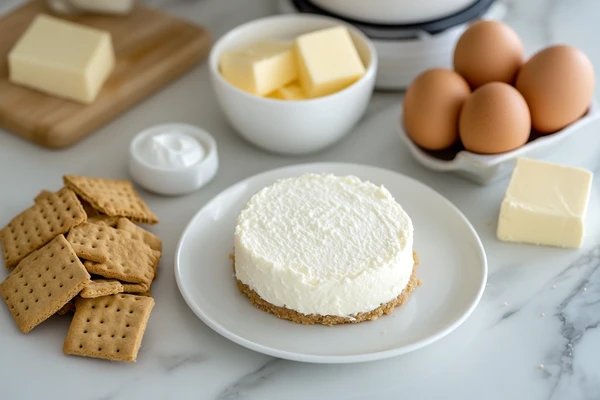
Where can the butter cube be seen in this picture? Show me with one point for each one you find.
(260, 68)
(545, 204)
(328, 61)
(62, 58)
(293, 92)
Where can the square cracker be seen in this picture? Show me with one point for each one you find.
(139, 233)
(109, 327)
(41, 196)
(113, 197)
(137, 288)
(54, 214)
(102, 219)
(114, 254)
(101, 287)
(87, 207)
(67, 308)
(44, 285)
(127, 279)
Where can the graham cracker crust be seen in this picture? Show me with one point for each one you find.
(299, 318)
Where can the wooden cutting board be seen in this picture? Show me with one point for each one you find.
(151, 48)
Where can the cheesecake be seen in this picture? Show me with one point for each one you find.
(321, 248)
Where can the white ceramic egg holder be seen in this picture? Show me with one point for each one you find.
(484, 169)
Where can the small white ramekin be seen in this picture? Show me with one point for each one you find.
(174, 181)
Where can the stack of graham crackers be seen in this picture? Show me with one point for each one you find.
(79, 250)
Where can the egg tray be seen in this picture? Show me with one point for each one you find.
(484, 169)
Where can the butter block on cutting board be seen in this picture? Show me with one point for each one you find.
(62, 58)
(545, 204)
(327, 61)
(260, 68)
(291, 92)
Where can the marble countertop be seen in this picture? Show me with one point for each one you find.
(552, 295)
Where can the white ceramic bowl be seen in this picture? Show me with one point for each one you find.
(394, 11)
(292, 127)
(484, 169)
(178, 181)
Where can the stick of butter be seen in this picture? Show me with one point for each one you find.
(260, 68)
(545, 204)
(328, 61)
(62, 59)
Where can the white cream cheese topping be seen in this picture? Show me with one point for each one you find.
(324, 244)
(171, 150)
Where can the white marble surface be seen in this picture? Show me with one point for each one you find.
(494, 355)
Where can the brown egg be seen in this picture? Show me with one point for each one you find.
(488, 51)
(494, 119)
(431, 108)
(558, 85)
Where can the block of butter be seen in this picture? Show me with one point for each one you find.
(328, 61)
(545, 204)
(260, 68)
(62, 59)
(292, 92)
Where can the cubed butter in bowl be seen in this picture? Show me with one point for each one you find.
(293, 84)
(293, 92)
(327, 61)
(261, 68)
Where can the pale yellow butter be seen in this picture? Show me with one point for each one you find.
(62, 59)
(260, 68)
(545, 204)
(292, 92)
(327, 61)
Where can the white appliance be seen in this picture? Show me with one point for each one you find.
(406, 50)
(394, 12)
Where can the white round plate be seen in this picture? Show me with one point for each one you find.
(453, 269)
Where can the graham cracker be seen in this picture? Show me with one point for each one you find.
(102, 219)
(109, 327)
(41, 195)
(33, 256)
(67, 308)
(113, 197)
(139, 233)
(101, 287)
(54, 214)
(87, 207)
(44, 285)
(136, 288)
(299, 318)
(114, 254)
